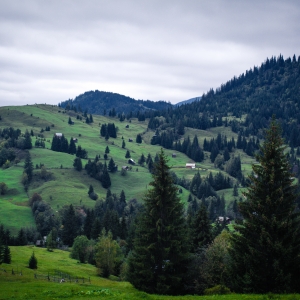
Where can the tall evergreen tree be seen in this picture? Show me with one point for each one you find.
(201, 234)
(72, 147)
(158, 262)
(27, 141)
(28, 166)
(69, 231)
(105, 178)
(266, 248)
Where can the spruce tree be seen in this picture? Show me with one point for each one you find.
(201, 234)
(28, 166)
(266, 247)
(33, 262)
(159, 258)
(105, 178)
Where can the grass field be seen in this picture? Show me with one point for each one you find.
(69, 186)
(26, 286)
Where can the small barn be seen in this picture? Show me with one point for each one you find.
(174, 155)
(75, 140)
(131, 161)
(58, 134)
(130, 140)
(190, 165)
(127, 126)
(126, 168)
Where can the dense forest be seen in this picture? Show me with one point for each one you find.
(99, 102)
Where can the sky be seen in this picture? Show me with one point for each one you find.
(171, 50)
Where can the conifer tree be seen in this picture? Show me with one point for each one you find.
(33, 262)
(105, 178)
(127, 155)
(72, 147)
(201, 234)
(266, 248)
(6, 255)
(159, 259)
(28, 166)
(27, 141)
(111, 165)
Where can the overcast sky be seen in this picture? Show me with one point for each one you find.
(170, 50)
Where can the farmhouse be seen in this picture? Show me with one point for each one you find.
(190, 165)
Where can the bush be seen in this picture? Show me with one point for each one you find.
(217, 290)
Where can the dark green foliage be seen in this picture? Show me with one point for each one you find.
(32, 264)
(112, 166)
(107, 150)
(81, 153)
(123, 144)
(105, 178)
(158, 262)
(99, 102)
(69, 231)
(72, 147)
(77, 164)
(127, 155)
(266, 248)
(27, 141)
(201, 235)
(138, 139)
(28, 167)
(6, 255)
(142, 160)
(59, 144)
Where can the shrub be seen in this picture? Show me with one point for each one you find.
(217, 290)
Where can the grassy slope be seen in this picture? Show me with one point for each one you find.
(68, 186)
(27, 287)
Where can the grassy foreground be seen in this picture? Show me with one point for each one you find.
(26, 286)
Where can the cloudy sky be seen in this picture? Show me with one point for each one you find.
(170, 50)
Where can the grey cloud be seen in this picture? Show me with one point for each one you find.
(171, 50)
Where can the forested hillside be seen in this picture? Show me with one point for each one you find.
(247, 102)
(99, 102)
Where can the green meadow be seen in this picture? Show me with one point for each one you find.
(67, 186)
(17, 281)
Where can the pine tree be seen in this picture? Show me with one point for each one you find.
(158, 262)
(111, 165)
(123, 144)
(69, 231)
(127, 155)
(28, 166)
(201, 234)
(27, 141)
(32, 262)
(138, 139)
(6, 255)
(265, 250)
(105, 178)
(72, 147)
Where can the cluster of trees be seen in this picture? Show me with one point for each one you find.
(60, 144)
(14, 139)
(96, 169)
(191, 149)
(108, 130)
